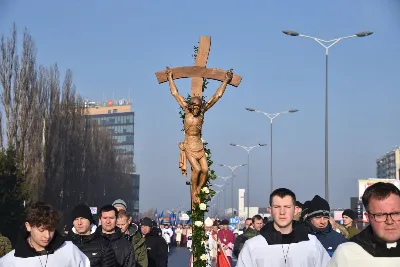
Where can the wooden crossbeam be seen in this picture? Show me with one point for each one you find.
(198, 72)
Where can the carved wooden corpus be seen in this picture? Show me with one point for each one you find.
(199, 70)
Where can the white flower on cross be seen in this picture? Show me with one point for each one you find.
(205, 190)
(198, 223)
(203, 257)
(202, 206)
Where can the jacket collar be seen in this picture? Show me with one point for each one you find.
(112, 237)
(274, 237)
(317, 231)
(374, 245)
(24, 250)
(132, 229)
(94, 233)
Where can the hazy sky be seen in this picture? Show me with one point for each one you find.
(114, 47)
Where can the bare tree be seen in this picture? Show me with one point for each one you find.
(63, 157)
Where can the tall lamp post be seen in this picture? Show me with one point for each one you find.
(233, 175)
(327, 44)
(225, 178)
(248, 149)
(271, 117)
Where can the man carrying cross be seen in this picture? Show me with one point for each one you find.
(192, 149)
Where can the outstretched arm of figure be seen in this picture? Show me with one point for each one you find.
(174, 90)
(220, 91)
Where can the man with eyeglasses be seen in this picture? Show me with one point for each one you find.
(379, 243)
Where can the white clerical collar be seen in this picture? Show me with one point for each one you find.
(391, 245)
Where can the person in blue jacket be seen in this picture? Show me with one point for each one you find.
(315, 215)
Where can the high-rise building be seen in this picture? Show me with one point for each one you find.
(388, 166)
(118, 118)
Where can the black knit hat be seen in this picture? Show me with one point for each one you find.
(349, 213)
(305, 210)
(82, 211)
(318, 207)
(146, 222)
(299, 204)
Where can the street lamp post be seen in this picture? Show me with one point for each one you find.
(327, 44)
(271, 117)
(225, 178)
(233, 175)
(248, 149)
(217, 196)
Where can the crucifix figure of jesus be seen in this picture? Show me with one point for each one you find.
(192, 148)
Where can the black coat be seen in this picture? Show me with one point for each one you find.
(157, 249)
(96, 247)
(123, 249)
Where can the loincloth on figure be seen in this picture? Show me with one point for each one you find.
(195, 153)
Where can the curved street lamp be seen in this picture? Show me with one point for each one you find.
(248, 149)
(233, 168)
(327, 44)
(271, 117)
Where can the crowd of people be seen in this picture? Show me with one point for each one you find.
(298, 235)
(306, 234)
(113, 241)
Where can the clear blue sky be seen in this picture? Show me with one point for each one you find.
(114, 47)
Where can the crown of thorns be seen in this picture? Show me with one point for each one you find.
(196, 100)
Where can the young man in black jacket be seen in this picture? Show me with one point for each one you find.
(157, 248)
(89, 239)
(123, 248)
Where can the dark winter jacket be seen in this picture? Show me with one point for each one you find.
(157, 249)
(139, 245)
(95, 246)
(123, 249)
(352, 231)
(239, 241)
(329, 238)
(374, 245)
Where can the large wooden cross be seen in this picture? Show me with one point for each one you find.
(199, 71)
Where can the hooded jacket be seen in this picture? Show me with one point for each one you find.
(139, 245)
(95, 246)
(59, 253)
(329, 238)
(367, 250)
(157, 249)
(273, 249)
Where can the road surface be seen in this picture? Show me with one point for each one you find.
(179, 257)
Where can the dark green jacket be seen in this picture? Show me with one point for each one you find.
(139, 246)
(5, 245)
(239, 242)
(352, 231)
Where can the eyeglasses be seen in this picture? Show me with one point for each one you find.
(382, 217)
